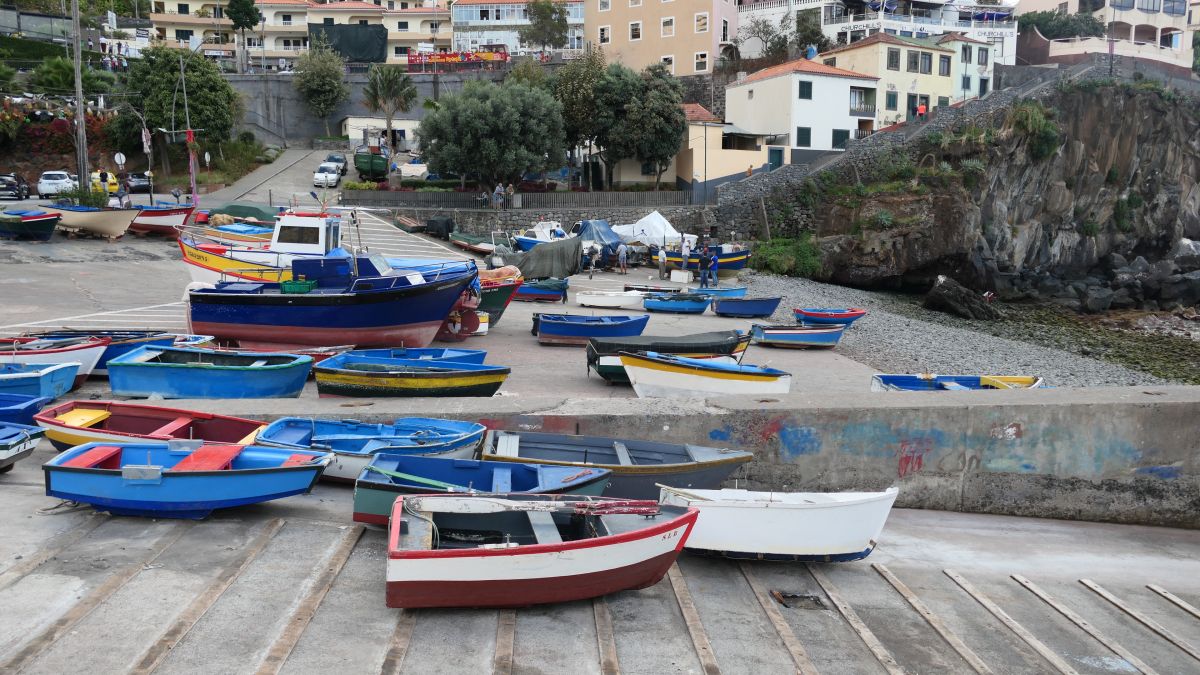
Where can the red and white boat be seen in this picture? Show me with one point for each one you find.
(161, 219)
(86, 351)
(456, 550)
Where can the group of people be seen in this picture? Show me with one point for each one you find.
(709, 263)
(501, 197)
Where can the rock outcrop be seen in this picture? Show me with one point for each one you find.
(947, 295)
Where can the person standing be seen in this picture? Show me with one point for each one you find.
(662, 263)
(508, 196)
(713, 264)
(686, 252)
(921, 110)
(703, 269)
(497, 196)
(623, 257)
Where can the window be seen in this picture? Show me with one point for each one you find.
(362, 22)
(724, 30)
(1149, 5)
(400, 51)
(840, 136)
(285, 19)
(648, 169)
(750, 95)
(966, 53)
(830, 62)
(893, 59)
(635, 3)
(926, 63)
(183, 35)
(702, 22)
(327, 21)
(914, 61)
(1062, 8)
(891, 100)
(1122, 4)
(434, 26)
(943, 101)
(635, 31)
(944, 65)
(605, 34)
(604, 5)
(185, 8)
(668, 27)
(984, 85)
(803, 137)
(254, 42)
(669, 62)
(700, 62)
(404, 5)
(966, 82)
(402, 26)
(218, 12)
(981, 55)
(1176, 8)
(806, 90)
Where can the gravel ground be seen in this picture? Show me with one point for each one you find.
(900, 336)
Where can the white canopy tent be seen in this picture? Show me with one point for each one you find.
(654, 230)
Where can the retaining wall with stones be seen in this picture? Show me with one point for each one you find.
(691, 219)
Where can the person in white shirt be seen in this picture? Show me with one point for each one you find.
(662, 263)
(623, 257)
(687, 252)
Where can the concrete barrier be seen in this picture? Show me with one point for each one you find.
(1121, 454)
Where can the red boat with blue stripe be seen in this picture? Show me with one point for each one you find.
(847, 315)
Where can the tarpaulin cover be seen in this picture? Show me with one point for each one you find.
(598, 232)
(357, 43)
(440, 226)
(653, 230)
(560, 258)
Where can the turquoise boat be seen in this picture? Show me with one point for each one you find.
(427, 354)
(721, 292)
(50, 380)
(172, 372)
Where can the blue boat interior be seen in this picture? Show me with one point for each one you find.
(367, 364)
(349, 436)
(935, 383)
(11, 433)
(20, 408)
(181, 456)
(24, 368)
(473, 474)
(712, 364)
(455, 355)
(152, 355)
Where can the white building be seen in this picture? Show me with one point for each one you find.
(814, 106)
(1153, 30)
(484, 23)
(847, 21)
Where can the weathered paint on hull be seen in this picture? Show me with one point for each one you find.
(373, 505)
(340, 384)
(409, 335)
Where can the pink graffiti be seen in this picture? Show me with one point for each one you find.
(911, 455)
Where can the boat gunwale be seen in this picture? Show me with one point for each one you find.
(78, 346)
(868, 498)
(774, 375)
(297, 360)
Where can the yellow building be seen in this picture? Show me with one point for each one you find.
(688, 37)
(417, 26)
(188, 24)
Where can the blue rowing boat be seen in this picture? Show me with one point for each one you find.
(17, 441)
(179, 479)
(720, 292)
(389, 476)
(545, 290)
(20, 408)
(931, 382)
(746, 307)
(798, 337)
(171, 372)
(37, 379)
(428, 354)
(353, 443)
(678, 303)
(123, 341)
(347, 375)
(573, 329)
(826, 315)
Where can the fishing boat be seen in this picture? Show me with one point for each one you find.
(604, 356)
(86, 351)
(636, 465)
(718, 292)
(841, 315)
(571, 329)
(428, 354)
(677, 303)
(294, 236)
(161, 218)
(245, 212)
(240, 234)
(171, 372)
(389, 475)
(346, 375)
(121, 341)
(541, 232)
(609, 299)
(545, 290)
(102, 222)
(353, 443)
(17, 441)
(745, 308)
(655, 375)
(499, 287)
(50, 380)
(727, 261)
(20, 408)
(798, 337)
(643, 288)
(791, 526)
(340, 300)
(76, 422)
(179, 479)
(469, 242)
(318, 354)
(527, 549)
(931, 382)
(32, 224)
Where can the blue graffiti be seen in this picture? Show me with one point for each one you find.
(800, 440)
(722, 434)
(1167, 472)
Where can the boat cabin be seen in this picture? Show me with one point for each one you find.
(315, 233)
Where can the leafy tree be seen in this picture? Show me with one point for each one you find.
(57, 76)
(1055, 26)
(613, 92)
(547, 24)
(496, 132)
(244, 15)
(529, 73)
(6, 77)
(808, 32)
(389, 90)
(655, 122)
(212, 103)
(774, 38)
(575, 88)
(320, 74)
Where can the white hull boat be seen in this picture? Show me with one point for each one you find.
(666, 376)
(86, 353)
(110, 223)
(793, 526)
(609, 299)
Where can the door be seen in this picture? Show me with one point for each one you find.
(910, 110)
(983, 86)
(775, 157)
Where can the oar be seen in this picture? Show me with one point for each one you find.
(423, 481)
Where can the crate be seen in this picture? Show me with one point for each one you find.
(297, 286)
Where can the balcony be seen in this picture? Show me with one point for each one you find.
(862, 110)
(188, 20)
(286, 27)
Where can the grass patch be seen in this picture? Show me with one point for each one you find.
(1036, 122)
(798, 257)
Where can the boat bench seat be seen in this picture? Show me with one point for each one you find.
(99, 457)
(293, 436)
(544, 529)
(250, 437)
(952, 386)
(172, 427)
(623, 457)
(209, 458)
(297, 460)
(508, 445)
(502, 479)
(83, 417)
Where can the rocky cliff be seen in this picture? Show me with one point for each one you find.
(1089, 197)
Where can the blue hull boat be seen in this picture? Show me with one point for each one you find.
(571, 329)
(746, 308)
(389, 476)
(824, 315)
(930, 382)
(355, 443)
(546, 290)
(734, 260)
(171, 372)
(37, 379)
(526, 243)
(17, 441)
(455, 355)
(179, 479)
(718, 292)
(123, 342)
(798, 337)
(679, 303)
(20, 408)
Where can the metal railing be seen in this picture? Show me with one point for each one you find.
(862, 109)
(521, 201)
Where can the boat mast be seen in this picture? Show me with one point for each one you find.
(191, 133)
(81, 157)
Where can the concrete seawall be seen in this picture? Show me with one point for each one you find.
(1121, 454)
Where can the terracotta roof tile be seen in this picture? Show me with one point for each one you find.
(807, 66)
(953, 36)
(694, 112)
(884, 38)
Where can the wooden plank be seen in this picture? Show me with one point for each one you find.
(1027, 637)
(90, 602)
(506, 634)
(606, 642)
(154, 655)
(804, 664)
(58, 544)
(933, 620)
(393, 662)
(623, 457)
(1083, 624)
(1143, 619)
(1167, 595)
(278, 654)
(881, 653)
(691, 617)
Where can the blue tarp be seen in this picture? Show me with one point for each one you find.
(599, 232)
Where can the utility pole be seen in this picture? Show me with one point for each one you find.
(191, 135)
(80, 104)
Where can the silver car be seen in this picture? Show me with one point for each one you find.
(327, 175)
(54, 182)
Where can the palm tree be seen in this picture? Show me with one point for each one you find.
(389, 90)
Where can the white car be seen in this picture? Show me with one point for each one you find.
(54, 182)
(327, 175)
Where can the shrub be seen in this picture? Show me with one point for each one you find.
(438, 183)
(898, 166)
(356, 185)
(945, 168)
(883, 220)
(246, 136)
(1121, 217)
(797, 257)
(84, 196)
(1112, 176)
(972, 170)
(1036, 122)
(1090, 228)
(934, 138)
(1135, 200)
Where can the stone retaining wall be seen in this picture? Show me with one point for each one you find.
(691, 219)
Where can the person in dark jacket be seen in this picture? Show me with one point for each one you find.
(704, 262)
(713, 263)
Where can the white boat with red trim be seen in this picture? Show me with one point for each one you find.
(455, 550)
(84, 350)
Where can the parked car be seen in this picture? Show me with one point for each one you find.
(327, 175)
(112, 186)
(54, 182)
(339, 159)
(137, 182)
(13, 185)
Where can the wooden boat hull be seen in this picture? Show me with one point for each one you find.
(643, 288)
(210, 264)
(20, 408)
(799, 337)
(730, 262)
(115, 422)
(718, 292)
(432, 354)
(86, 354)
(18, 225)
(110, 223)
(496, 296)
(608, 300)
(204, 378)
(565, 329)
(604, 356)
(161, 220)
(610, 368)
(845, 316)
(17, 441)
(37, 380)
(653, 378)
(930, 382)
(343, 383)
(746, 308)
(734, 524)
(675, 305)
(122, 342)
